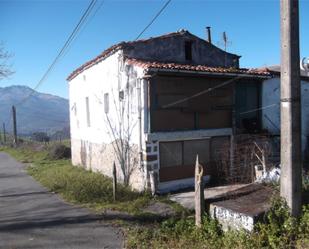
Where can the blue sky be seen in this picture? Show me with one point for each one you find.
(35, 31)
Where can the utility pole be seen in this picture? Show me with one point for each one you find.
(14, 125)
(4, 133)
(291, 163)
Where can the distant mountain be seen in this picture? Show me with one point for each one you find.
(39, 113)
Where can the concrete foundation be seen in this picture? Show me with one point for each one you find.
(234, 206)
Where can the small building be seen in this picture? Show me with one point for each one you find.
(270, 106)
(152, 105)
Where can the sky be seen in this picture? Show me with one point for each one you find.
(35, 31)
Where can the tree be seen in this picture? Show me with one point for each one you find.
(5, 69)
(40, 137)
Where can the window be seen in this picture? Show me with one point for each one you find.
(188, 50)
(87, 111)
(106, 103)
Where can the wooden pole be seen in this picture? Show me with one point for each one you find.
(114, 182)
(291, 162)
(4, 133)
(199, 193)
(14, 125)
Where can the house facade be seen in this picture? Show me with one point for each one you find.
(150, 106)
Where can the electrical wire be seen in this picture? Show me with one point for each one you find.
(84, 26)
(202, 92)
(258, 109)
(64, 47)
(153, 19)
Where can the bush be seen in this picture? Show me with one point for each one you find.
(59, 151)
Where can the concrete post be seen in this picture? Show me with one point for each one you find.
(291, 166)
(153, 182)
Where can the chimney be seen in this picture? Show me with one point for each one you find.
(208, 34)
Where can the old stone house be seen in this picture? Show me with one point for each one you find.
(169, 98)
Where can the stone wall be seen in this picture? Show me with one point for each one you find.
(231, 219)
(100, 158)
(172, 49)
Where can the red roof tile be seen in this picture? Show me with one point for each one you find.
(197, 68)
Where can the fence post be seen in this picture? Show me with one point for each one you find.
(199, 193)
(114, 182)
(153, 182)
(4, 133)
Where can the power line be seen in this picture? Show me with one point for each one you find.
(202, 92)
(82, 29)
(67, 43)
(153, 19)
(216, 87)
(72, 37)
(258, 109)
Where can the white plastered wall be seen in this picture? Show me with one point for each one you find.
(271, 107)
(92, 145)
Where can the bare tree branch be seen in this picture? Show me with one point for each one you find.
(5, 68)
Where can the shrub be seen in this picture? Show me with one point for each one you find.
(59, 151)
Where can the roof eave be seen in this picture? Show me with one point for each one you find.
(188, 72)
(91, 63)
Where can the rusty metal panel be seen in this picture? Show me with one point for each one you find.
(194, 147)
(170, 154)
(210, 110)
(217, 145)
(176, 173)
(172, 120)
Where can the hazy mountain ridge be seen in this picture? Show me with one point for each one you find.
(40, 112)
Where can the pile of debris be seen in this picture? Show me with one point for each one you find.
(271, 176)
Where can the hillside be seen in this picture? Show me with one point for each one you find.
(41, 112)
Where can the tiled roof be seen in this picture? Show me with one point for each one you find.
(275, 69)
(197, 68)
(96, 60)
(114, 49)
